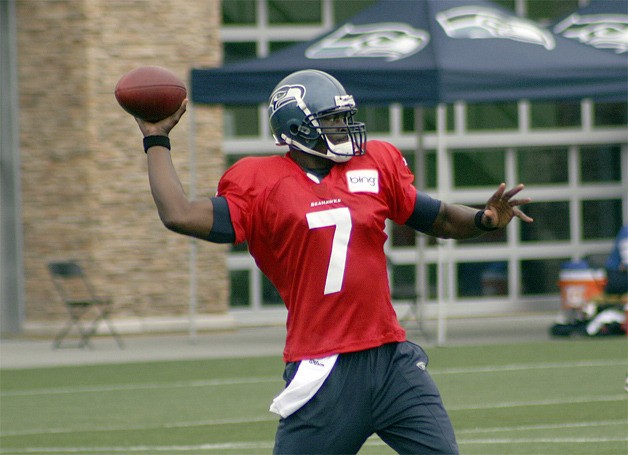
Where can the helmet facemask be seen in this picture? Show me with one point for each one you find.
(340, 137)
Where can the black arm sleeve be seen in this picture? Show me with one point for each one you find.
(222, 229)
(425, 211)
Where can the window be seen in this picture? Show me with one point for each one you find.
(432, 281)
(540, 276)
(269, 292)
(403, 235)
(291, 12)
(551, 222)
(429, 170)
(546, 12)
(240, 121)
(235, 52)
(482, 279)
(543, 165)
(601, 218)
(600, 163)
(238, 12)
(478, 168)
(344, 10)
(377, 119)
(555, 114)
(278, 45)
(492, 116)
(611, 114)
(403, 282)
(429, 118)
(239, 294)
(508, 4)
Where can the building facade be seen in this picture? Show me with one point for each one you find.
(84, 187)
(84, 192)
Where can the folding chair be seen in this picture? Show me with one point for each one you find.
(79, 298)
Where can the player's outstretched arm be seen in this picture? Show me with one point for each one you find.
(461, 222)
(193, 218)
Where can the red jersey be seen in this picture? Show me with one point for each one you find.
(321, 243)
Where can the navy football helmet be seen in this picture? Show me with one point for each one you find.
(311, 111)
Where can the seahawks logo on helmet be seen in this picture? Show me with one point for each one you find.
(285, 94)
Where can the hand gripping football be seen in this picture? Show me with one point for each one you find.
(151, 93)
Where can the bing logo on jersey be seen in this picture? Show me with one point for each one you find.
(363, 181)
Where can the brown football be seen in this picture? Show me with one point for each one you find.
(151, 93)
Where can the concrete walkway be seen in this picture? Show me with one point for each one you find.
(259, 341)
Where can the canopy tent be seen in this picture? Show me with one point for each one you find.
(429, 52)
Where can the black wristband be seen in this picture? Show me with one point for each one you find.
(479, 225)
(151, 141)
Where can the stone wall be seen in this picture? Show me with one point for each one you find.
(84, 181)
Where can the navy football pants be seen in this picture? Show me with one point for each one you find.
(385, 390)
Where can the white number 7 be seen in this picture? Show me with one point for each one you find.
(340, 218)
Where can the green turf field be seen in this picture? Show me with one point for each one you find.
(560, 397)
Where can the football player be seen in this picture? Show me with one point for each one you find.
(314, 221)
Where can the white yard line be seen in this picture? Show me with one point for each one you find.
(149, 449)
(512, 404)
(272, 418)
(531, 366)
(269, 445)
(141, 386)
(549, 426)
(260, 380)
(200, 423)
(569, 440)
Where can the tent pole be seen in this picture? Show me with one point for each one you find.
(193, 242)
(419, 173)
(443, 188)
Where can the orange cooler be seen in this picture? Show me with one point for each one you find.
(579, 284)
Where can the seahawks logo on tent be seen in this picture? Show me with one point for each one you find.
(476, 22)
(602, 31)
(391, 41)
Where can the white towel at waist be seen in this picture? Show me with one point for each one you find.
(310, 376)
